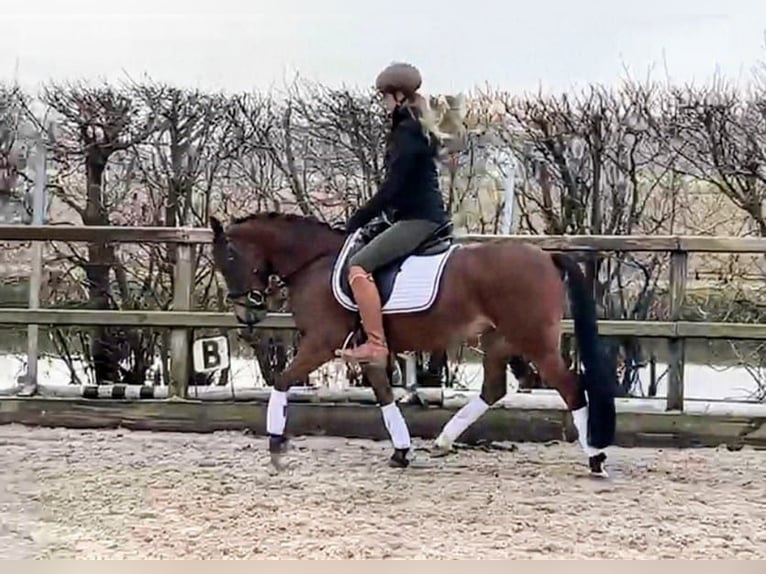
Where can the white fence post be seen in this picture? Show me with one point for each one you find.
(28, 382)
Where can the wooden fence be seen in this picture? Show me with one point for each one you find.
(183, 317)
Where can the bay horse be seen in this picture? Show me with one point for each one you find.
(510, 295)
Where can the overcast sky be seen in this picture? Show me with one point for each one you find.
(241, 44)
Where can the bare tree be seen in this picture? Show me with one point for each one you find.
(12, 164)
(266, 128)
(343, 144)
(10, 119)
(720, 134)
(12, 103)
(590, 166)
(181, 167)
(97, 125)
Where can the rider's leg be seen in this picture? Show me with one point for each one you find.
(374, 350)
(397, 241)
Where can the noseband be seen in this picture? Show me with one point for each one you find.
(253, 300)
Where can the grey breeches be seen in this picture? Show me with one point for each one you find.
(397, 241)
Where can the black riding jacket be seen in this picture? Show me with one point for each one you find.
(410, 189)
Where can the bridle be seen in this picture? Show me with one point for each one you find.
(255, 300)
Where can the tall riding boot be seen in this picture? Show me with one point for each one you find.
(374, 350)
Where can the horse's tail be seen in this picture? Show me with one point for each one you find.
(597, 380)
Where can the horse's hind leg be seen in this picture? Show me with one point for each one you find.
(392, 415)
(494, 387)
(554, 371)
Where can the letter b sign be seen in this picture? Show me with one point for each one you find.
(211, 354)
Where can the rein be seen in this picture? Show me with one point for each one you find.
(255, 299)
(286, 278)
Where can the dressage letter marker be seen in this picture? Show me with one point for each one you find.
(211, 354)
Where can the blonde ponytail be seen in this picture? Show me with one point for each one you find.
(429, 119)
(442, 120)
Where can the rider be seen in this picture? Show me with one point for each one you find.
(410, 197)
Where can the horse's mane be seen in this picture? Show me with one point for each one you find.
(289, 217)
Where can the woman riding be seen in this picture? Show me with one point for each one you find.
(409, 196)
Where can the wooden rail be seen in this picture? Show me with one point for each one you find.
(192, 235)
(213, 320)
(183, 319)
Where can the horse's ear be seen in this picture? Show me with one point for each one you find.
(216, 226)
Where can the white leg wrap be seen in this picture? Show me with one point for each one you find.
(580, 419)
(276, 416)
(460, 421)
(396, 425)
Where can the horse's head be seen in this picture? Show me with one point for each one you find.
(256, 248)
(246, 271)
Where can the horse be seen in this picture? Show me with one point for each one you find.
(508, 295)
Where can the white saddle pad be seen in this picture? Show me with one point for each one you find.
(416, 286)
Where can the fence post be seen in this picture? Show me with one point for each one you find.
(29, 381)
(180, 350)
(676, 346)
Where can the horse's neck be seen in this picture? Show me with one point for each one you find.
(300, 252)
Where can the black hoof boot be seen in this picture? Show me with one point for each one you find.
(399, 458)
(277, 444)
(597, 464)
(277, 448)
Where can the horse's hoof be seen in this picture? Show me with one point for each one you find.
(278, 461)
(438, 451)
(399, 458)
(278, 444)
(597, 464)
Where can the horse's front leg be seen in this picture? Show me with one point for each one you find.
(311, 355)
(392, 415)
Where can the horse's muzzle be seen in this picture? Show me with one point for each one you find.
(249, 308)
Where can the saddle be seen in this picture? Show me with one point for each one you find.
(434, 249)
